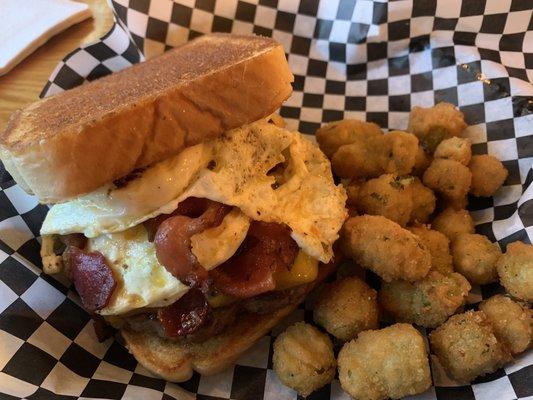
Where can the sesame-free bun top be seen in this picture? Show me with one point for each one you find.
(76, 141)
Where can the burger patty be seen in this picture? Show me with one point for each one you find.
(199, 326)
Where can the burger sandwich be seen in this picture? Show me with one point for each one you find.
(184, 213)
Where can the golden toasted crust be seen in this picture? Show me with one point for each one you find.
(101, 131)
(176, 361)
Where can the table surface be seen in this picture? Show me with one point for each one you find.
(25, 81)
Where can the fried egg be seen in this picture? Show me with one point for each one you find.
(268, 173)
(141, 281)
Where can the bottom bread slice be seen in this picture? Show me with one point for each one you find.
(175, 361)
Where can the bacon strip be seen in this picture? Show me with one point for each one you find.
(267, 247)
(92, 277)
(186, 315)
(191, 207)
(173, 242)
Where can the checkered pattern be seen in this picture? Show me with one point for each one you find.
(116, 50)
(351, 59)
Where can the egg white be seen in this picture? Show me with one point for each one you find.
(141, 281)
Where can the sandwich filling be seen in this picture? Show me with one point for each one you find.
(238, 222)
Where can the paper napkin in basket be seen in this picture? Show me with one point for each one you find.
(28, 24)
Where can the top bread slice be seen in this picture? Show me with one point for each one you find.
(76, 141)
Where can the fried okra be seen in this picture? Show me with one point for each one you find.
(424, 202)
(452, 222)
(352, 193)
(488, 175)
(422, 161)
(335, 134)
(371, 155)
(427, 302)
(400, 199)
(384, 247)
(475, 257)
(450, 178)
(352, 188)
(434, 124)
(515, 269)
(467, 347)
(512, 322)
(439, 248)
(347, 307)
(456, 204)
(455, 148)
(365, 157)
(403, 149)
(303, 358)
(386, 363)
(389, 196)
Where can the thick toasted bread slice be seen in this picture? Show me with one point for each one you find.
(176, 361)
(74, 142)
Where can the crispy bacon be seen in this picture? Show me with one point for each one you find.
(267, 247)
(191, 207)
(173, 242)
(92, 277)
(186, 315)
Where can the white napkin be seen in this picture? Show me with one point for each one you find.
(27, 24)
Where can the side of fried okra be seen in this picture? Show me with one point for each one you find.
(488, 175)
(450, 178)
(424, 202)
(335, 134)
(389, 196)
(352, 192)
(403, 152)
(364, 157)
(384, 247)
(427, 302)
(434, 124)
(347, 307)
(386, 363)
(455, 148)
(467, 347)
(303, 358)
(452, 222)
(515, 269)
(439, 248)
(512, 322)
(369, 156)
(475, 257)
(422, 161)
(456, 204)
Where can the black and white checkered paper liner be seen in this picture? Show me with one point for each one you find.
(351, 59)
